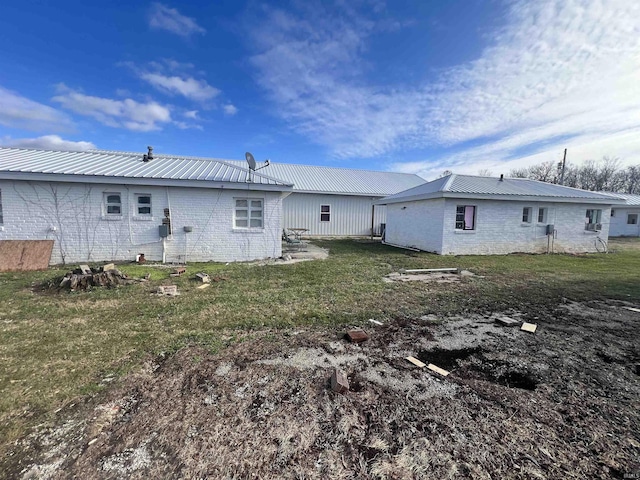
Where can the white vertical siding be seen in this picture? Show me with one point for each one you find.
(350, 215)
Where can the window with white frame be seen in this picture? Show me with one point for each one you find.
(527, 213)
(112, 204)
(143, 205)
(465, 217)
(542, 215)
(325, 213)
(1, 218)
(593, 219)
(249, 213)
(632, 218)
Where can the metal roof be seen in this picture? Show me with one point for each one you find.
(467, 186)
(331, 180)
(629, 198)
(96, 166)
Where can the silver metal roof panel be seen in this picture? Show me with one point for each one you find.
(320, 179)
(98, 164)
(467, 186)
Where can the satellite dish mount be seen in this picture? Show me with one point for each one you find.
(252, 163)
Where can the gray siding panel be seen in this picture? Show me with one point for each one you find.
(350, 215)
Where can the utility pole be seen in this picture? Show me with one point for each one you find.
(561, 166)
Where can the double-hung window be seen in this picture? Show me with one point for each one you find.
(325, 213)
(593, 219)
(527, 213)
(143, 205)
(249, 213)
(542, 215)
(465, 217)
(113, 204)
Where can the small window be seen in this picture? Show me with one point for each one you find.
(113, 204)
(248, 213)
(143, 204)
(1, 219)
(593, 219)
(632, 218)
(325, 213)
(542, 215)
(465, 217)
(613, 212)
(526, 214)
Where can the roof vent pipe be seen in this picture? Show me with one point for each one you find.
(148, 156)
(502, 177)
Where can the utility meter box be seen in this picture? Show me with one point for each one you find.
(550, 229)
(163, 230)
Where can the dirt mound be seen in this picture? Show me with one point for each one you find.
(515, 405)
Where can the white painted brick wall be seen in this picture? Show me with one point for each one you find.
(416, 224)
(619, 226)
(500, 230)
(72, 215)
(430, 226)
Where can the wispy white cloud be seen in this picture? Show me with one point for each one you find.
(558, 72)
(189, 87)
(163, 17)
(17, 111)
(48, 142)
(126, 113)
(192, 114)
(230, 109)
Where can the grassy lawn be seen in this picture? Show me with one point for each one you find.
(56, 348)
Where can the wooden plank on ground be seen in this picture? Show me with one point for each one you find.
(633, 309)
(23, 255)
(431, 270)
(203, 286)
(416, 362)
(529, 327)
(437, 369)
(507, 321)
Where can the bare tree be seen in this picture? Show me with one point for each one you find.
(597, 175)
(519, 173)
(544, 172)
(485, 172)
(632, 176)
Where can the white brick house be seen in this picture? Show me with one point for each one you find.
(467, 215)
(330, 201)
(625, 219)
(100, 206)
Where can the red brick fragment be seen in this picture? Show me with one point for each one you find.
(357, 336)
(339, 382)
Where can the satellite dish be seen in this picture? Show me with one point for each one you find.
(251, 161)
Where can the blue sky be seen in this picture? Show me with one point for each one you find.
(417, 87)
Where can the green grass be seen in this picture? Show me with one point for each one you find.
(57, 347)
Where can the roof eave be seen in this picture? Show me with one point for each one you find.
(160, 182)
(518, 198)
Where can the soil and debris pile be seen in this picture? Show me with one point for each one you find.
(560, 403)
